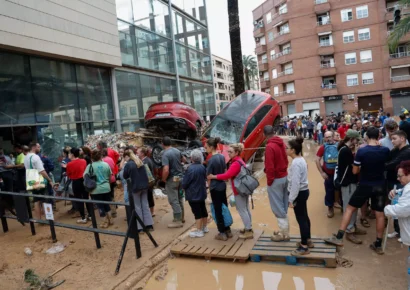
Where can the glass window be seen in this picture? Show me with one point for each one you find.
(195, 8)
(348, 36)
(124, 10)
(274, 73)
(367, 78)
(256, 119)
(366, 56)
(364, 34)
(269, 17)
(55, 91)
(16, 99)
(350, 58)
(94, 93)
(284, 28)
(347, 15)
(152, 15)
(270, 36)
(352, 80)
(193, 64)
(276, 90)
(362, 12)
(283, 9)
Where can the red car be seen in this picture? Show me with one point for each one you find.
(174, 118)
(242, 121)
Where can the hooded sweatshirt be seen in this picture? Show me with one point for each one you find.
(276, 160)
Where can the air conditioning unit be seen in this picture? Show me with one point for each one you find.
(350, 97)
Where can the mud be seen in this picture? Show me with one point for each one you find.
(369, 270)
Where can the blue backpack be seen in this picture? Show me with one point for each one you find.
(330, 156)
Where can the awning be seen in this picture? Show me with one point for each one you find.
(400, 66)
(325, 33)
(277, 24)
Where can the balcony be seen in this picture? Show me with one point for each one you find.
(400, 58)
(259, 31)
(263, 66)
(281, 16)
(260, 49)
(265, 84)
(321, 6)
(282, 53)
(327, 69)
(390, 11)
(400, 78)
(281, 37)
(329, 90)
(326, 48)
(324, 26)
(285, 93)
(286, 72)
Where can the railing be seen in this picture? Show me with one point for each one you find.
(317, 2)
(400, 6)
(368, 82)
(400, 78)
(279, 54)
(265, 79)
(282, 32)
(284, 93)
(283, 11)
(324, 43)
(258, 25)
(264, 60)
(400, 54)
(327, 64)
(288, 71)
(321, 23)
(329, 86)
(365, 60)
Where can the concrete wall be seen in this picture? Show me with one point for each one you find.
(79, 30)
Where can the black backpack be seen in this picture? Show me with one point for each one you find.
(90, 180)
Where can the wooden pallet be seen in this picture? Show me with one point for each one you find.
(323, 255)
(208, 247)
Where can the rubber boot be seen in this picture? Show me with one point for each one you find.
(177, 222)
(113, 211)
(181, 202)
(110, 219)
(283, 234)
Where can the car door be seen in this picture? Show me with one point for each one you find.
(253, 136)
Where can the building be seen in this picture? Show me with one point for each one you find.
(327, 56)
(223, 82)
(69, 69)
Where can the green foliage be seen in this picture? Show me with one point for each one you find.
(400, 30)
(250, 69)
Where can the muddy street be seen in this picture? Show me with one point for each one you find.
(369, 271)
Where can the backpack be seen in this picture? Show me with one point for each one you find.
(90, 180)
(337, 181)
(244, 182)
(330, 155)
(226, 214)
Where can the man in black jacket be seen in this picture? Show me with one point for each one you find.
(405, 126)
(400, 152)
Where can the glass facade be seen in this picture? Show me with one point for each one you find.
(54, 102)
(146, 43)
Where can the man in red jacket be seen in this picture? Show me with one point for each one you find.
(276, 170)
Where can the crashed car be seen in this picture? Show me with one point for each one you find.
(175, 119)
(242, 121)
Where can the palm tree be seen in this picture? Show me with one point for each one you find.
(236, 50)
(250, 69)
(400, 29)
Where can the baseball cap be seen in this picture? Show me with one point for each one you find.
(352, 134)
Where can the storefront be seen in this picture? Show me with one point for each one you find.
(291, 109)
(311, 109)
(334, 105)
(400, 98)
(371, 104)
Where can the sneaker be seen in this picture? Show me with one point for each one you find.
(399, 240)
(205, 230)
(280, 237)
(352, 238)
(365, 223)
(300, 251)
(242, 231)
(82, 221)
(330, 212)
(309, 244)
(196, 234)
(378, 250)
(175, 224)
(359, 231)
(334, 241)
(221, 237)
(392, 235)
(229, 234)
(247, 235)
(150, 228)
(337, 205)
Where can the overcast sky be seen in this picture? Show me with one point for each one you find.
(219, 26)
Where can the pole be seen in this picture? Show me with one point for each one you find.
(90, 208)
(124, 244)
(4, 224)
(146, 230)
(53, 231)
(30, 215)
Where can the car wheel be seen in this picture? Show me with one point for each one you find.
(194, 144)
(157, 155)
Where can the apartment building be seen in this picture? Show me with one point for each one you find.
(223, 82)
(325, 56)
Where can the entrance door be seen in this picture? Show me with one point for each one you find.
(371, 103)
(334, 106)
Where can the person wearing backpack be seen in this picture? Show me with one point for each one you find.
(348, 181)
(242, 202)
(276, 170)
(328, 153)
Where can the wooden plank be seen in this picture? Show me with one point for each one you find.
(178, 247)
(234, 249)
(243, 252)
(287, 253)
(209, 250)
(275, 247)
(215, 252)
(290, 260)
(202, 250)
(194, 249)
(187, 249)
(292, 244)
(293, 237)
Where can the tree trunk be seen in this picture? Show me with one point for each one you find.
(236, 50)
(247, 79)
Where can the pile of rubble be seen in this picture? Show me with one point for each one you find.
(118, 140)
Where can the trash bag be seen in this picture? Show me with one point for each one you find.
(228, 221)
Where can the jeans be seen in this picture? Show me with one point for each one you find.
(347, 192)
(330, 191)
(219, 198)
(172, 190)
(320, 138)
(242, 205)
(302, 216)
(151, 201)
(279, 197)
(80, 192)
(310, 132)
(142, 207)
(102, 208)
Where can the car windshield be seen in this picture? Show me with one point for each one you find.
(229, 124)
